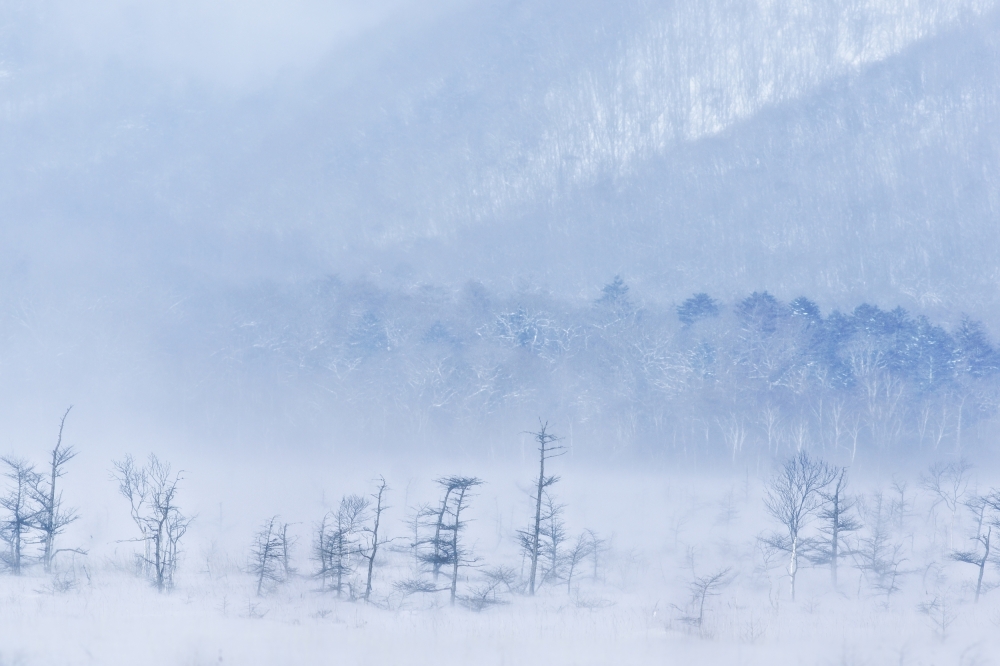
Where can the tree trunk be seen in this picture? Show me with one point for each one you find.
(793, 564)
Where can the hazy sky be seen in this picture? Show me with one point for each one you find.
(157, 151)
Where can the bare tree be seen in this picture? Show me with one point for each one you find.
(152, 494)
(947, 483)
(459, 555)
(979, 505)
(598, 547)
(22, 511)
(269, 556)
(837, 521)
(497, 582)
(438, 556)
(370, 550)
(547, 449)
(52, 518)
(575, 556)
(336, 545)
(877, 555)
(702, 588)
(553, 535)
(976, 558)
(941, 614)
(792, 498)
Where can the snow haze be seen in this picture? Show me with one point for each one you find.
(299, 250)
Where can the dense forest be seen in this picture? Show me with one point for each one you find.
(746, 380)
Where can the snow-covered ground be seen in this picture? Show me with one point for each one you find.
(663, 531)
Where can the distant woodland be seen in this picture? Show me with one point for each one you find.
(747, 380)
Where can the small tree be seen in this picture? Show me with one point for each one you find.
(976, 558)
(835, 514)
(369, 551)
(947, 483)
(553, 535)
(269, 556)
(979, 505)
(598, 547)
(581, 548)
(151, 491)
(792, 498)
(22, 512)
(703, 587)
(876, 554)
(337, 541)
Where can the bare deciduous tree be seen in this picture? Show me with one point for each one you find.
(152, 494)
(792, 498)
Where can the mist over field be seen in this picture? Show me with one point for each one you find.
(737, 258)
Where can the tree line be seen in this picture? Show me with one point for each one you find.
(348, 544)
(754, 378)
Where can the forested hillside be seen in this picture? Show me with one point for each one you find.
(702, 379)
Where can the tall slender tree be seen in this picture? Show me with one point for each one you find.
(836, 513)
(52, 518)
(531, 538)
(370, 551)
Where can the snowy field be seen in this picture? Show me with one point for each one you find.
(637, 606)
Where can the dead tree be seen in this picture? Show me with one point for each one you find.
(701, 589)
(152, 494)
(52, 518)
(575, 556)
(835, 513)
(458, 554)
(598, 547)
(370, 550)
(974, 557)
(337, 542)
(792, 498)
(947, 483)
(547, 449)
(269, 555)
(22, 511)
(877, 555)
(497, 582)
(438, 557)
(553, 535)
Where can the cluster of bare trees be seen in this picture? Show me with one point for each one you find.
(822, 524)
(34, 511)
(349, 543)
(270, 557)
(151, 490)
